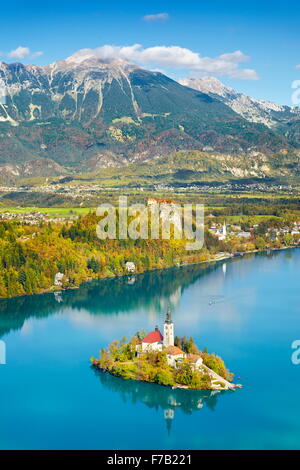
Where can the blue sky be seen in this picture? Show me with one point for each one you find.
(206, 34)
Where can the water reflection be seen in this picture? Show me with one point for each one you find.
(166, 399)
(250, 314)
(224, 268)
(153, 291)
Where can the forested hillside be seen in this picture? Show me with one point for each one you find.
(32, 255)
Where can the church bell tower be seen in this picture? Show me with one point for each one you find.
(168, 330)
(224, 230)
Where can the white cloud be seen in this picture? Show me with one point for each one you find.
(157, 16)
(298, 66)
(174, 57)
(235, 57)
(36, 54)
(21, 52)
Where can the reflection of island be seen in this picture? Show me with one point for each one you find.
(159, 397)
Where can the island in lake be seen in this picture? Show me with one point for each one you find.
(165, 360)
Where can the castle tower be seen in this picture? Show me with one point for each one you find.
(168, 330)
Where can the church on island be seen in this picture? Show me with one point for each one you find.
(131, 367)
(155, 341)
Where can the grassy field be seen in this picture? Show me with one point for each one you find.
(51, 211)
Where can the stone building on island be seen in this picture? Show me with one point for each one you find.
(155, 341)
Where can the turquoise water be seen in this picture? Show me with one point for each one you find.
(245, 310)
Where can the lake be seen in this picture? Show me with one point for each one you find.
(246, 310)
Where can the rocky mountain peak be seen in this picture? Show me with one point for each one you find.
(87, 60)
(208, 85)
(253, 110)
(98, 108)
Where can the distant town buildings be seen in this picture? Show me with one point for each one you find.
(243, 234)
(227, 232)
(220, 232)
(34, 217)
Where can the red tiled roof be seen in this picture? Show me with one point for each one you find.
(193, 357)
(168, 201)
(174, 350)
(153, 337)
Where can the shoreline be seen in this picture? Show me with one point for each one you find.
(172, 387)
(241, 254)
(227, 386)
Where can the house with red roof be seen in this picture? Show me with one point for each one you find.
(194, 360)
(153, 341)
(174, 354)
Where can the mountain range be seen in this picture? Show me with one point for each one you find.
(282, 119)
(83, 114)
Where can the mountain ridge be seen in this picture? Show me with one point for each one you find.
(86, 113)
(265, 112)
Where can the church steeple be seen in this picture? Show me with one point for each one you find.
(224, 231)
(168, 330)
